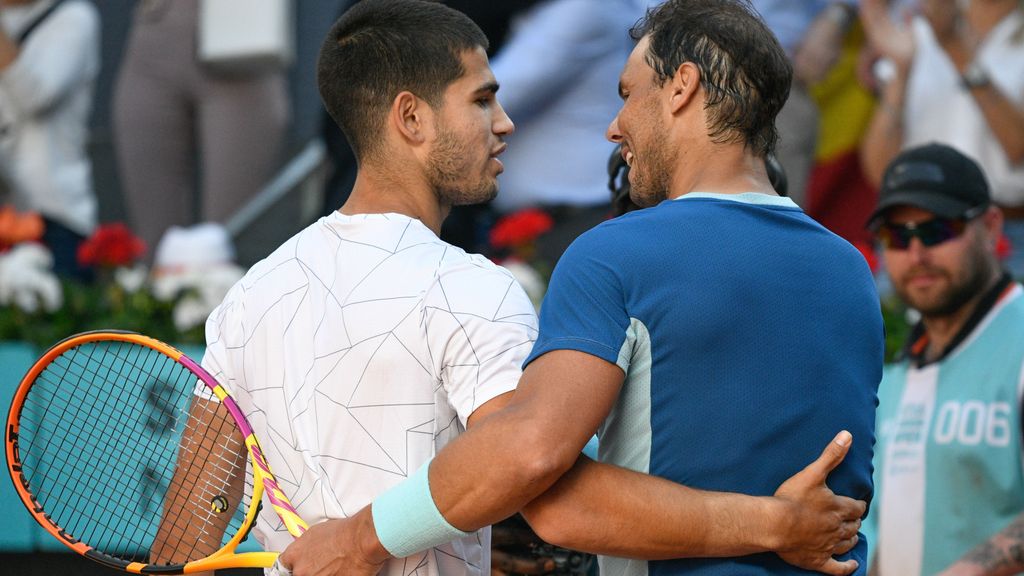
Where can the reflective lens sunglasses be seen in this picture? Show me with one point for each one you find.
(930, 232)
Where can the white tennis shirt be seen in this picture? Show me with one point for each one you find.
(357, 350)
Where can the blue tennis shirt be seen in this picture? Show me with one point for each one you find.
(749, 336)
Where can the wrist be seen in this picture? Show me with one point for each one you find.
(893, 111)
(975, 76)
(774, 533)
(367, 541)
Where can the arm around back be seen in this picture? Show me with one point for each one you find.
(522, 450)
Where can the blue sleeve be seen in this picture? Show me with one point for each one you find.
(584, 308)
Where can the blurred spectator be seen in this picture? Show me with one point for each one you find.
(955, 75)
(839, 195)
(171, 110)
(49, 60)
(812, 33)
(949, 487)
(558, 71)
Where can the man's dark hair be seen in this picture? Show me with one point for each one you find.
(379, 48)
(743, 69)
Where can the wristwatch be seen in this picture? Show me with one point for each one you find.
(974, 77)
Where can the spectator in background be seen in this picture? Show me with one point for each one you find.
(170, 110)
(839, 195)
(949, 489)
(955, 75)
(49, 60)
(811, 32)
(558, 72)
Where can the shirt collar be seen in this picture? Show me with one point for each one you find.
(757, 198)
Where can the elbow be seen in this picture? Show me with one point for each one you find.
(539, 468)
(537, 462)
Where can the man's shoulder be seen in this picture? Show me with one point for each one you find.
(472, 284)
(1007, 322)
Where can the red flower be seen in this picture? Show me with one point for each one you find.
(520, 228)
(111, 246)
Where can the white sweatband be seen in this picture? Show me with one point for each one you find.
(406, 519)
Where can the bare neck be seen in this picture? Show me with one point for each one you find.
(718, 168)
(381, 191)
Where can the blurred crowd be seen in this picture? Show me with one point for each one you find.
(196, 140)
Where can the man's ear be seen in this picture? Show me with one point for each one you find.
(411, 117)
(684, 83)
(993, 221)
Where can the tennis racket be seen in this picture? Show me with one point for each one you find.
(131, 454)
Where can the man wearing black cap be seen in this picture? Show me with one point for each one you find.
(949, 484)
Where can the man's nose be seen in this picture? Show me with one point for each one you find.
(613, 134)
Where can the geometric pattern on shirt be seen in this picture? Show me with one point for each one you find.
(358, 304)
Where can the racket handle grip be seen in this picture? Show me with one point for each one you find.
(278, 569)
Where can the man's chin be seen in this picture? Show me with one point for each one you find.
(464, 197)
(928, 303)
(645, 199)
(479, 197)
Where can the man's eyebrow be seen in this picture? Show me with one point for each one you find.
(491, 87)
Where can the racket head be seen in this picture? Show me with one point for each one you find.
(116, 441)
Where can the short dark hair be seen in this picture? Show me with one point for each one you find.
(743, 68)
(379, 48)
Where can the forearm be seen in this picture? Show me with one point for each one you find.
(1005, 119)
(515, 454)
(609, 510)
(884, 137)
(502, 462)
(1003, 554)
(503, 455)
(209, 471)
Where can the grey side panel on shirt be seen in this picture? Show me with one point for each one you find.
(625, 436)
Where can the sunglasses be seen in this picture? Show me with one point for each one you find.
(930, 232)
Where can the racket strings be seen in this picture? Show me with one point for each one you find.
(101, 434)
(103, 534)
(74, 425)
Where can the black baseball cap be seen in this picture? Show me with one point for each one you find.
(936, 178)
